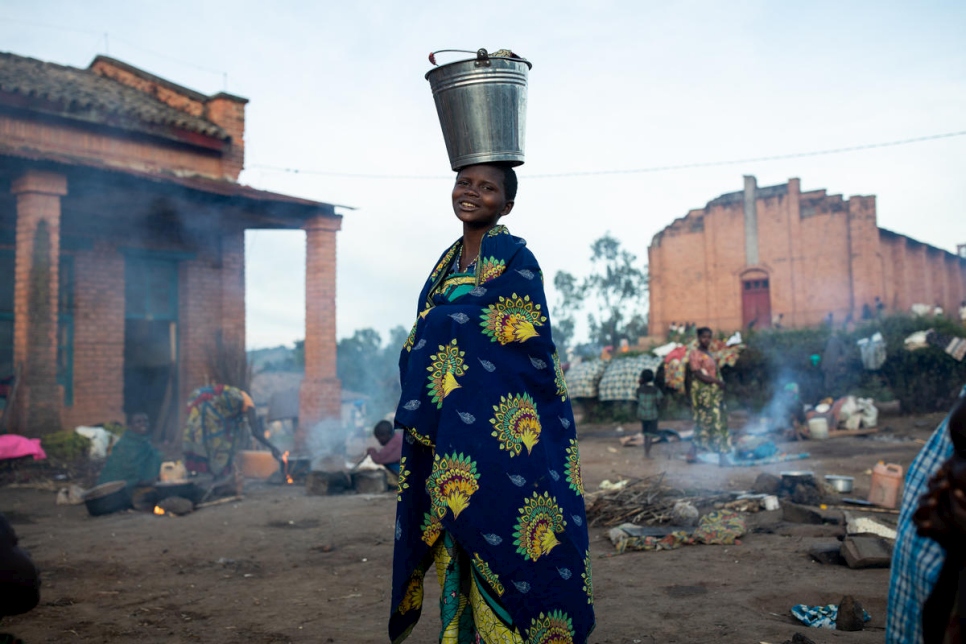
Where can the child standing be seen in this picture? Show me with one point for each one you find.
(648, 399)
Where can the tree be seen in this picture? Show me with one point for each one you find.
(613, 295)
(365, 366)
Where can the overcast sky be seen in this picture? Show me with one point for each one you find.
(338, 87)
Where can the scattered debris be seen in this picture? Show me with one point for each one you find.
(851, 617)
(821, 616)
(867, 525)
(645, 501)
(176, 505)
(827, 553)
(798, 638)
(794, 513)
(685, 514)
(767, 484)
(867, 552)
(73, 495)
(607, 485)
(324, 483)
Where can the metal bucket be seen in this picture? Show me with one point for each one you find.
(482, 108)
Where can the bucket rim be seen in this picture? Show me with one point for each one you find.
(474, 60)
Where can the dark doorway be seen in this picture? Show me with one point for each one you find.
(755, 302)
(151, 341)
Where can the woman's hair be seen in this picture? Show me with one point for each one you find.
(509, 180)
(702, 330)
(647, 376)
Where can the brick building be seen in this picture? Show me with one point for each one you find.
(122, 247)
(748, 256)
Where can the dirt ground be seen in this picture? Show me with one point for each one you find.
(281, 566)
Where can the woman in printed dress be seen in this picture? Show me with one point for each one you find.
(490, 493)
(707, 401)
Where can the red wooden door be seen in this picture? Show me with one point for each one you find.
(755, 303)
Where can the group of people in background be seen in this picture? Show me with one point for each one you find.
(706, 392)
(685, 328)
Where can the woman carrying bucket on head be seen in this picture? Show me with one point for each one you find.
(490, 492)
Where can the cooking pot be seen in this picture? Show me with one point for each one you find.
(107, 498)
(840, 483)
(184, 489)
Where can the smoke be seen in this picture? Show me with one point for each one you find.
(333, 445)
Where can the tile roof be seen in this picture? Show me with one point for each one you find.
(84, 95)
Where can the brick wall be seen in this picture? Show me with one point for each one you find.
(200, 298)
(233, 288)
(229, 112)
(98, 336)
(73, 144)
(821, 253)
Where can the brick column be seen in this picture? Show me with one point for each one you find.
(233, 289)
(319, 397)
(864, 253)
(655, 313)
(39, 398)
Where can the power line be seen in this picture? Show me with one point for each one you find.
(106, 38)
(661, 168)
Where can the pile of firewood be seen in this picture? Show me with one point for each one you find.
(646, 501)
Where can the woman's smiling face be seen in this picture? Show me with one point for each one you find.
(479, 196)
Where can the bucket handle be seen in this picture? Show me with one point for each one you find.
(482, 56)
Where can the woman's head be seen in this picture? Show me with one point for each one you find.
(483, 193)
(704, 337)
(647, 377)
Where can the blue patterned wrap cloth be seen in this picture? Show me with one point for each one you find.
(490, 455)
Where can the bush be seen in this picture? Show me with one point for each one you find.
(925, 380)
(65, 446)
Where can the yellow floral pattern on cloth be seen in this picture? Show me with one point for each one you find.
(413, 598)
(453, 481)
(572, 468)
(516, 423)
(512, 319)
(540, 520)
(445, 262)
(491, 268)
(555, 627)
(453, 571)
(432, 528)
(558, 378)
(408, 346)
(420, 438)
(587, 576)
(446, 366)
(402, 484)
(490, 628)
(491, 577)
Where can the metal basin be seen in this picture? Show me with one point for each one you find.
(841, 484)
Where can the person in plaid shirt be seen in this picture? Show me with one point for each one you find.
(916, 560)
(648, 399)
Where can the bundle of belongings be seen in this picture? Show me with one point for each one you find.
(583, 378)
(954, 346)
(848, 412)
(873, 352)
(676, 362)
(721, 527)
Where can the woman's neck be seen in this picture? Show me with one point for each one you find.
(472, 239)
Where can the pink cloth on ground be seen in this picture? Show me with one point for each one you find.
(14, 446)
